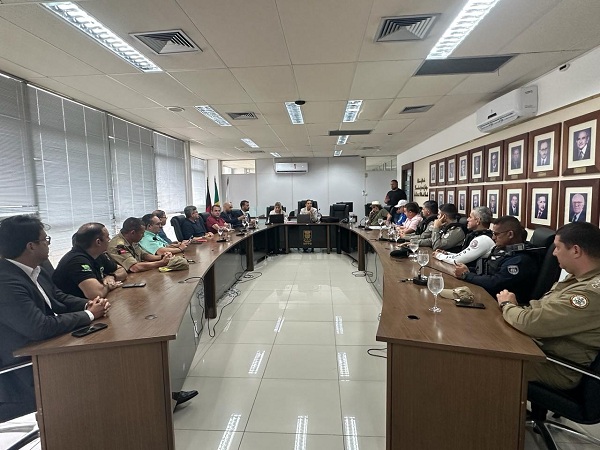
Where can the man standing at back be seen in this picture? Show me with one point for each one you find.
(394, 196)
(32, 308)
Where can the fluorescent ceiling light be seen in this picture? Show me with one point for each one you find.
(276, 155)
(213, 115)
(352, 109)
(337, 152)
(342, 139)
(74, 15)
(294, 112)
(250, 142)
(466, 20)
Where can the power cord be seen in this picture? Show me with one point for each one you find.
(384, 349)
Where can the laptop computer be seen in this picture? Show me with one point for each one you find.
(303, 218)
(275, 218)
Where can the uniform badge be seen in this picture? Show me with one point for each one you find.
(513, 270)
(596, 283)
(579, 301)
(86, 268)
(474, 243)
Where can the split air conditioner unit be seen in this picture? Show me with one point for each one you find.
(291, 167)
(508, 109)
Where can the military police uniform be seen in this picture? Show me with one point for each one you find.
(477, 244)
(124, 253)
(506, 268)
(447, 237)
(566, 323)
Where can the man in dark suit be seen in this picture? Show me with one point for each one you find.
(494, 162)
(33, 309)
(541, 212)
(581, 150)
(543, 154)
(515, 159)
(513, 209)
(577, 212)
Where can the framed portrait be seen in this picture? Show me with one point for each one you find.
(477, 165)
(463, 167)
(433, 173)
(580, 141)
(441, 169)
(492, 194)
(475, 198)
(451, 170)
(578, 201)
(431, 194)
(544, 152)
(543, 203)
(441, 196)
(451, 195)
(515, 199)
(515, 157)
(462, 204)
(494, 158)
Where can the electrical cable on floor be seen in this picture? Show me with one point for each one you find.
(230, 293)
(384, 349)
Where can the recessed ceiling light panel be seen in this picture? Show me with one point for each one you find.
(294, 112)
(352, 109)
(250, 142)
(210, 113)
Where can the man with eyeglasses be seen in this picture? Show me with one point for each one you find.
(153, 243)
(162, 216)
(32, 307)
(510, 264)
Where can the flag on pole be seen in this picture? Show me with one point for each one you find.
(208, 200)
(227, 199)
(216, 193)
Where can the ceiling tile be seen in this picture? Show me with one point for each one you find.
(214, 86)
(161, 88)
(430, 85)
(392, 126)
(320, 82)
(268, 84)
(382, 79)
(274, 113)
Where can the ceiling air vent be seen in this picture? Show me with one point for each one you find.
(255, 151)
(405, 28)
(348, 132)
(416, 109)
(242, 115)
(167, 42)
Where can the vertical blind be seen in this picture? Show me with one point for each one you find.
(198, 182)
(170, 173)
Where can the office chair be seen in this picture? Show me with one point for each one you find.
(350, 205)
(340, 211)
(580, 405)
(10, 411)
(204, 216)
(463, 220)
(176, 223)
(549, 273)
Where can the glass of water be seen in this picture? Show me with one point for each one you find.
(413, 246)
(435, 283)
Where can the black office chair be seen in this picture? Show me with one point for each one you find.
(340, 211)
(272, 207)
(301, 204)
(580, 405)
(549, 272)
(204, 216)
(463, 220)
(350, 205)
(176, 223)
(11, 411)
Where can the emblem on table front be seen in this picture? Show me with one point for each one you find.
(307, 237)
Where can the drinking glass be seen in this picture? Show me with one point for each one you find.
(380, 221)
(413, 246)
(220, 231)
(435, 283)
(244, 222)
(392, 233)
(422, 260)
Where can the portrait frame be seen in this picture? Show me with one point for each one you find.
(451, 170)
(433, 173)
(462, 200)
(518, 143)
(493, 189)
(519, 190)
(494, 149)
(451, 195)
(569, 188)
(440, 197)
(432, 194)
(477, 160)
(441, 172)
(462, 177)
(475, 193)
(549, 189)
(571, 129)
(551, 136)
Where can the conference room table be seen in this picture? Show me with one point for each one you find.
(454, 379)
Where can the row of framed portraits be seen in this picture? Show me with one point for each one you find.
(550, 203)
(532, 155)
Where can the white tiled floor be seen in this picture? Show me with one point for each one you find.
(309, 385)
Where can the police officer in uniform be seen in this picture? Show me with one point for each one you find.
(566, 320)
(477, 244)
(510, 264)
(446, 232)
(430, 214)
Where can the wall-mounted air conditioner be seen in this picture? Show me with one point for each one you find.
(291, 167)
(508, 109)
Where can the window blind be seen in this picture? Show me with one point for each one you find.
(198, 182)
(170, 173)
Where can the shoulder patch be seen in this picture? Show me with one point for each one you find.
(596, 283)
(86, 268)
(474, 243)
(513, 270)
(579, 301)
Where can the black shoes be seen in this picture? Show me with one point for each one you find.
(183, 396)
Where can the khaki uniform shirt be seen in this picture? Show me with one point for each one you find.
(124, 253)
(566, 323)
(443, 241)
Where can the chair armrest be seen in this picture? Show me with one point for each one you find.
(573, 366)
(7, 369)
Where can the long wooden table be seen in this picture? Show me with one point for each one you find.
(455, 380)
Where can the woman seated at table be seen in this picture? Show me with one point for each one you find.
(308, 209)
(278, 209)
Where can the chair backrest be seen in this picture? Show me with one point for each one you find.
(204, 215)
(463, 220)
(339, 210)
(350, 205)
(549, 272)
(272, 207)
(176, 222)
(301, 204)
(589, 393)
(542, 237)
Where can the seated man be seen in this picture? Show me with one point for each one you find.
(413, 219)
(509, 266)
(153, 243)
(244, 211)
(193, 226)
(308, 209)
(429, 213)
(446, 232)
(163, 221)
(398, 214)
(214, 221)
(84, 271)
(125, 249)
(377, 212)
(228, 216)
(566, 320)
(477, 244)
(33, 308)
